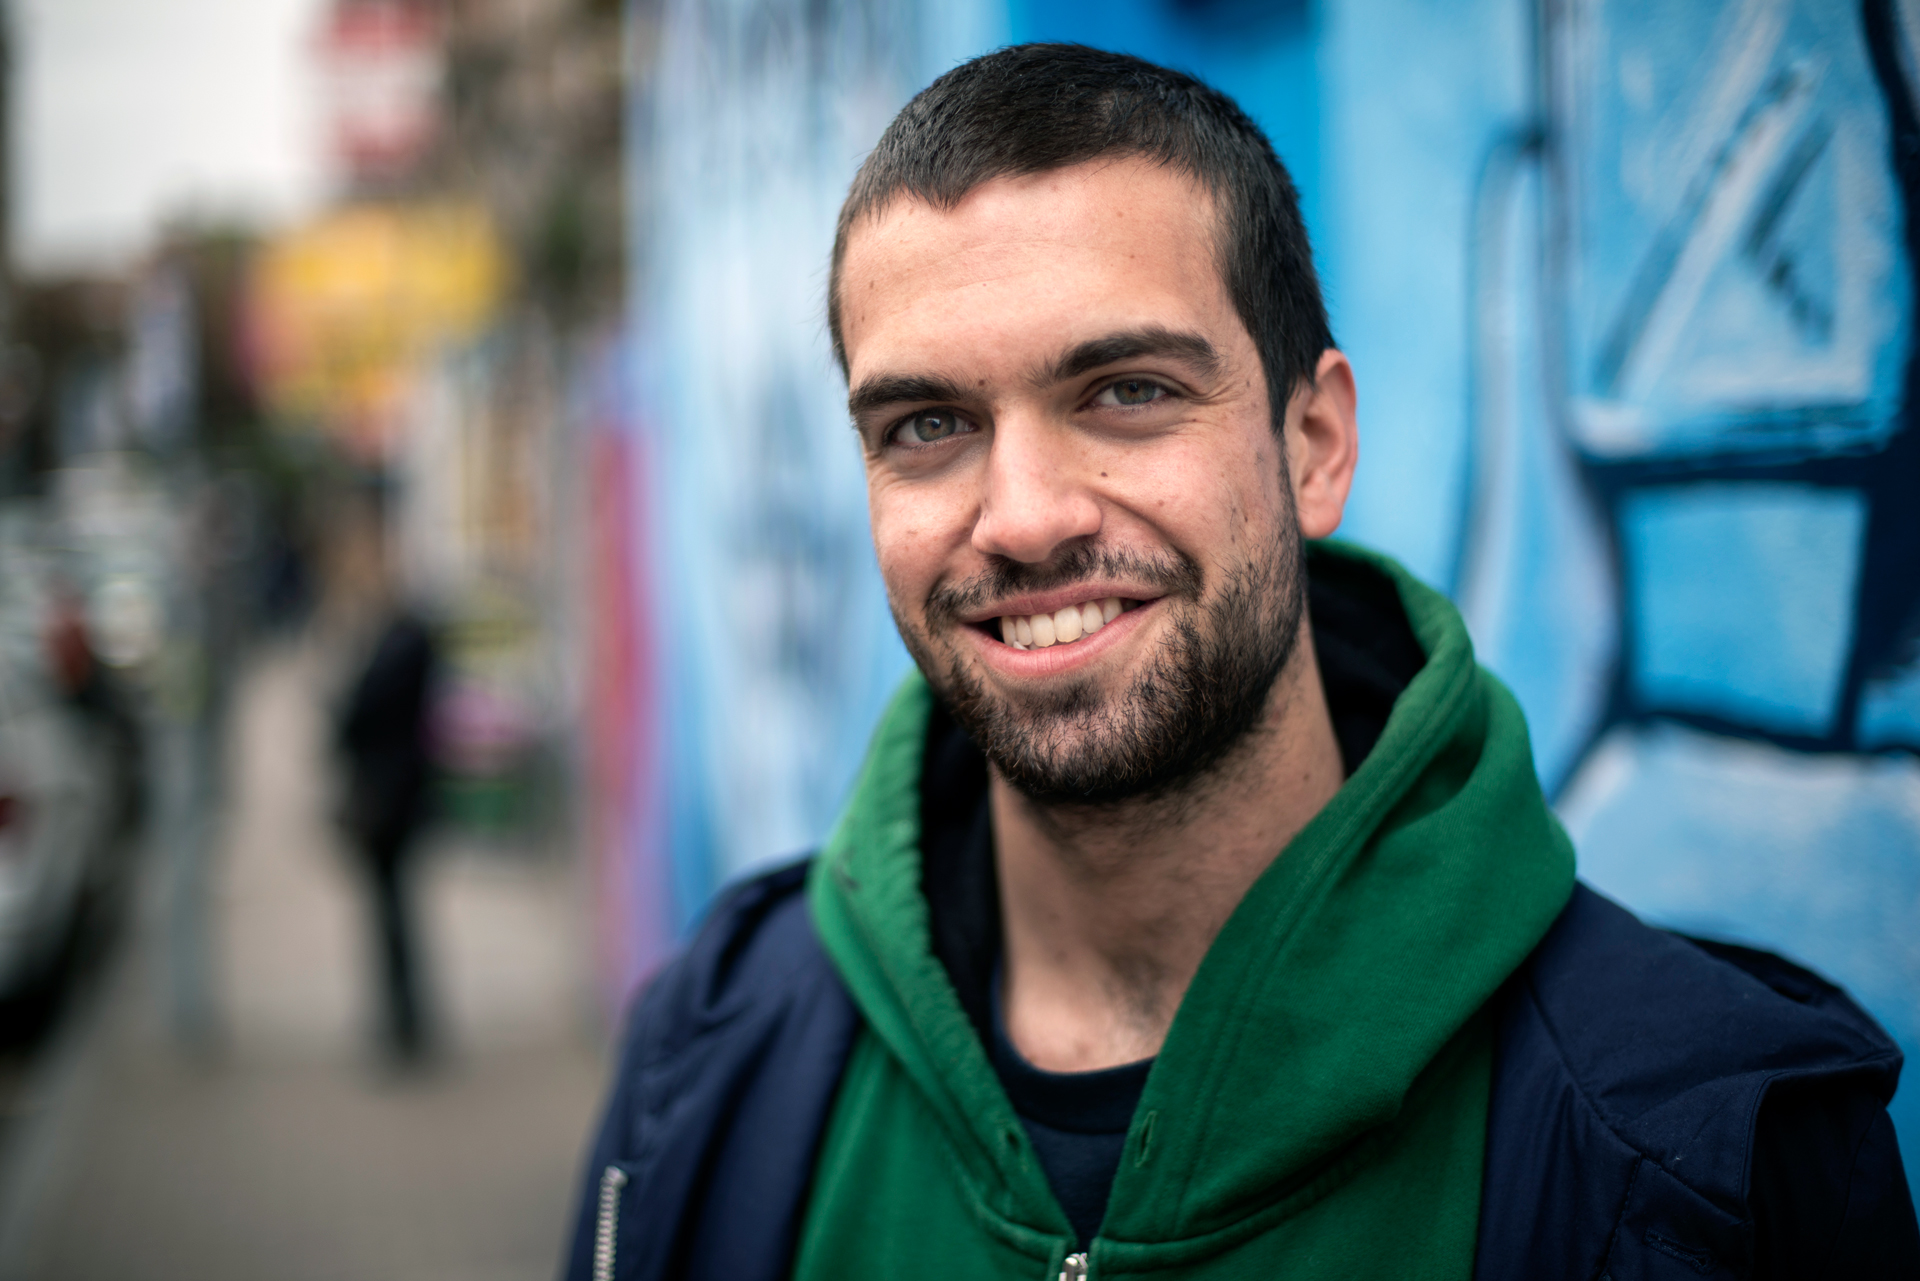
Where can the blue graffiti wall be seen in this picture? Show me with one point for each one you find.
(1629, 293)
(1728, 293)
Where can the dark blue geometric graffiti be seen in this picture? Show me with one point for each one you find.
(1740, 387)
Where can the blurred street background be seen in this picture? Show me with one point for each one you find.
(433, 558)
(297, 336)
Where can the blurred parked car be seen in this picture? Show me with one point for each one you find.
(70, 757)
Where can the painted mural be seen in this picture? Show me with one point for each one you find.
(1630, 294)
(1730, 280)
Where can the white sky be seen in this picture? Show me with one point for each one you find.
(129, 111)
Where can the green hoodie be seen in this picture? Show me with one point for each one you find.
(1319, 1107)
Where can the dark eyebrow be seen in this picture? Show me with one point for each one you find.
(896, 389)
(1129, 344)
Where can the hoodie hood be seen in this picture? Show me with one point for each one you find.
(1367, 946)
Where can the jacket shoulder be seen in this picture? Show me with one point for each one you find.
(1629, 1083)
(754, 951)
(726, 1078)
(1659, 1032)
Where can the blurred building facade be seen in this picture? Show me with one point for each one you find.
(1630, 299)
(441, 328)
(393, 398)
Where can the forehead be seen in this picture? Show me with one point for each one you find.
(1032, 263)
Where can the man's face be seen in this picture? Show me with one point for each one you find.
(1081, 510)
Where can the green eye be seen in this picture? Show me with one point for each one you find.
(929, 426)
(1137, 391)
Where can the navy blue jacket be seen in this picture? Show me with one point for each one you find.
(1662, 1108)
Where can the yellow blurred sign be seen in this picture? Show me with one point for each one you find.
(345, 310)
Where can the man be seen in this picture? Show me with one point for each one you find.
(1197, 912)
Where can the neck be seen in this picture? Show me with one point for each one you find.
(1107, 913)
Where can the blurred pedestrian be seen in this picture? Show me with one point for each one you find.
(383, 735)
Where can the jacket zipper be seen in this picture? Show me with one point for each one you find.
(611, 1181)
(1074, 1268)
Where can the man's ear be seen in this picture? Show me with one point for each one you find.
(1323, 444)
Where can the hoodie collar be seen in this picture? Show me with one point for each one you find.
(1366, 946)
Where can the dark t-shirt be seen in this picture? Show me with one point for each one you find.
(1077, 1121)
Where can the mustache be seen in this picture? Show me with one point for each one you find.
(1175, 574)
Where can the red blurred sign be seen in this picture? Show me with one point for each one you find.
(381, 62)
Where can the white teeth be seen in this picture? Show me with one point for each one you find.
(1062, 627)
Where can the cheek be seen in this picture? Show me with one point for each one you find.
(1189, 493)
(1209, 502)
(1252, 484)
(1266, 481)
(900, 568)
(907, 542)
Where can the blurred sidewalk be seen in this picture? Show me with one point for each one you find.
(287, 1153)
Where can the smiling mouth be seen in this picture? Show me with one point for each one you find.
(1063, 626)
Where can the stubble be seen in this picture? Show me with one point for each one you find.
(1199, 696)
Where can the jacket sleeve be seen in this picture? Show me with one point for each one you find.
(609, 1146)
(1829, 1195)
(730, 1062)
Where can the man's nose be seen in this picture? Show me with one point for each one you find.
(1036, 498)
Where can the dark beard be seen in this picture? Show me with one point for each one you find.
(1199, 697)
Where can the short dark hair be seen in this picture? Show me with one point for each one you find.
(1033, 108)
